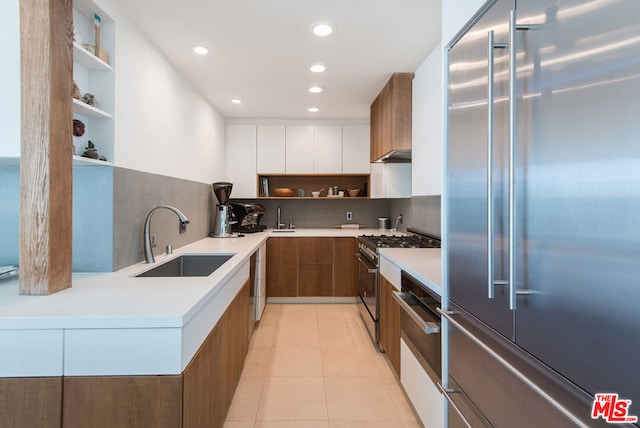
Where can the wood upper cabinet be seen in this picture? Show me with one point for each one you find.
(390, 323)
(282, 267)
(391, 117)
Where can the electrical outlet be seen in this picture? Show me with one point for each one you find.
(349, 215)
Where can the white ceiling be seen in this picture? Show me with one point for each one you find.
(261, 50)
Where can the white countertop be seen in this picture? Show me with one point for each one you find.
(118, 324)
(120, 300)
(424, 264)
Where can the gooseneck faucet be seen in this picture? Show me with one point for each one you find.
(398, 220)
(148, 254)
(280, 224)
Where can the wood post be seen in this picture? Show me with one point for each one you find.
(46, 68)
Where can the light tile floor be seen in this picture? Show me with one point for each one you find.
(314, 366)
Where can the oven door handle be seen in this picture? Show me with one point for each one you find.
(366, 264)
(428, 327)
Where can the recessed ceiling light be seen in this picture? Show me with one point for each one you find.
(322, 30)
(313, 109)
(201, 50)
(236, 100)
(318, 68)
(316, 89)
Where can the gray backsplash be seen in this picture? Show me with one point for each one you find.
(136, 193)
(419, 212)
(111, 203)
(309, 213)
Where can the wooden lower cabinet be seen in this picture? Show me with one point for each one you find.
(198, 398)
(282, 267)
(315, 280)
(211, 378)
(122, 401)
(31, 402)
(311, 266)
(390, 324)
(344, 267)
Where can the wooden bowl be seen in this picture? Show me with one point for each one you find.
(283, 192)
(353, 192)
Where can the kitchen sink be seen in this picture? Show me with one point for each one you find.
(283, 230)
(189, 265)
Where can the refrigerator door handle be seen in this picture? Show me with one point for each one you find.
(490, 114)
(512, 159)
(453, 405)
(513, 135)
(517, 373)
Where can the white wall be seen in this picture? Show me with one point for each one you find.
(455, 14)
(10, 81)
(162, 124)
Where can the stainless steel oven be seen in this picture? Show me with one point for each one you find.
(420, 324)
(367, 288)
(368, 282)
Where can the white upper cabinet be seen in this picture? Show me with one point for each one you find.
(271, 149)
(327, 149)
(355, 149)
(241, 160)
(299, 149)
(390, 180)
(427, 137)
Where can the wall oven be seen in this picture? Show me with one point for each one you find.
(367, 287)
(420, 324)
(420, 349)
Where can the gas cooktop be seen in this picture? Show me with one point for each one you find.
(401, 241)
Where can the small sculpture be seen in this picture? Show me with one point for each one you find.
(76, 91)
(89, 99)
(91, 151)
(78, 128)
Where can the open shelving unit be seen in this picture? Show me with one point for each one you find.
(95, 76)
(266, 183)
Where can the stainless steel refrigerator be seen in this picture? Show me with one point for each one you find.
(542, 215)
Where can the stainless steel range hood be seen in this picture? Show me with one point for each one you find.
(395, 156)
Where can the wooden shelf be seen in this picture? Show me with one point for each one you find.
(86, 59)
(79, 160)
(313, 183)
(320, 198)
(85, 109)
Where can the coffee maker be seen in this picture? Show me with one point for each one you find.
(247, 218)
(223, 212)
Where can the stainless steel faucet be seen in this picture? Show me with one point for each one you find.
(148, 254)
(398, 220)
(280, 224)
